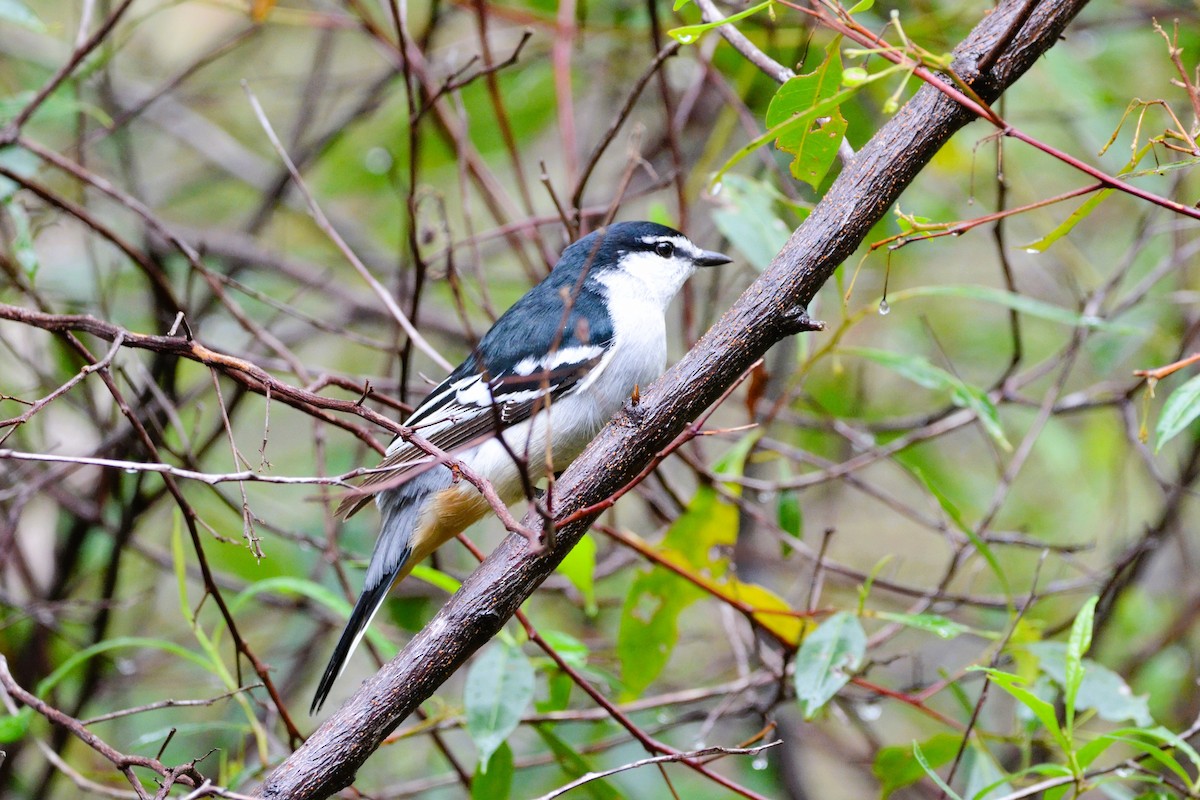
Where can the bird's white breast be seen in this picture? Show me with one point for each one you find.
(637, 357)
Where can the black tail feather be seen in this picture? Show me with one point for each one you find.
(368, 603)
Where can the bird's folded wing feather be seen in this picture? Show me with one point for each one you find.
(470, 406)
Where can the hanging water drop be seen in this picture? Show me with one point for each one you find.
(716, 188)
(759, 762)
(884, 308)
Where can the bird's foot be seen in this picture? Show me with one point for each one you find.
(796, 320)
(635, 412)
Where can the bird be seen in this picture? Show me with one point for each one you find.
(551, 371)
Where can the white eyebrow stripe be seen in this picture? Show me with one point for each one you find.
(680, 242)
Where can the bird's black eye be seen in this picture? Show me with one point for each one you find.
(664, 249)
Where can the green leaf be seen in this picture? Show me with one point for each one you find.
(747, 218)
(19, 14)
(493, 780)
(18, 161)
(861, 5)
(575, 765)
(689, 34)
(498, 689)
(1043, 711)
(815, 144)
(13, 727)
(921, 372)
(579, 567)
(650, 626)
(710, 521)
(288, 585)
(558, 683)
(435, 577)
(933, 776)
(1180, 410)
(982, 778)
(823, 108)
(897, 767)
(119, 643)
(1017, 302)
(790, 514)
(1100, 690)
(22, 240)
(1068, 225)
(827, 659)
(1077, 645)
(931, 623)
(1161, 747)
(957, 518)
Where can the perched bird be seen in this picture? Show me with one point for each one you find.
(554, 368)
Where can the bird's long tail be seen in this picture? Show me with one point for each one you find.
(398, 549)
(369, 603)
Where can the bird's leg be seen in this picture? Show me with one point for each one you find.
(543, 503)
(633, 407)
(795, 319)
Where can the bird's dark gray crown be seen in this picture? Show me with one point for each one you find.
(602, 249)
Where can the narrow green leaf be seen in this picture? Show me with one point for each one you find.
(18, 161)
(932, 623)
(1043, 711)
(861, 5)
(289, 585)
(1078, 644)
(568, 648)
(575, 765)
(897, 767)
(1018, 302)
(579, 567)
(689, 34)
(435, 577)
(979, 544)
(1068, 225)
(933, 776)
(119, 643)
(498, 689)
(790, 514)
(827, 659)
(982, 777)
(22, 240)
(13, 727)
(921, 372)
(493, 780)
(1179, 411)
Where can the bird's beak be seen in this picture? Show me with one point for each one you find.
(708, 258)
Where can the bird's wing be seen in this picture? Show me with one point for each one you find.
(473, 404)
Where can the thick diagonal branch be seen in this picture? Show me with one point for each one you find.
(765, 313)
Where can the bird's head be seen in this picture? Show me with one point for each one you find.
(642, 258)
